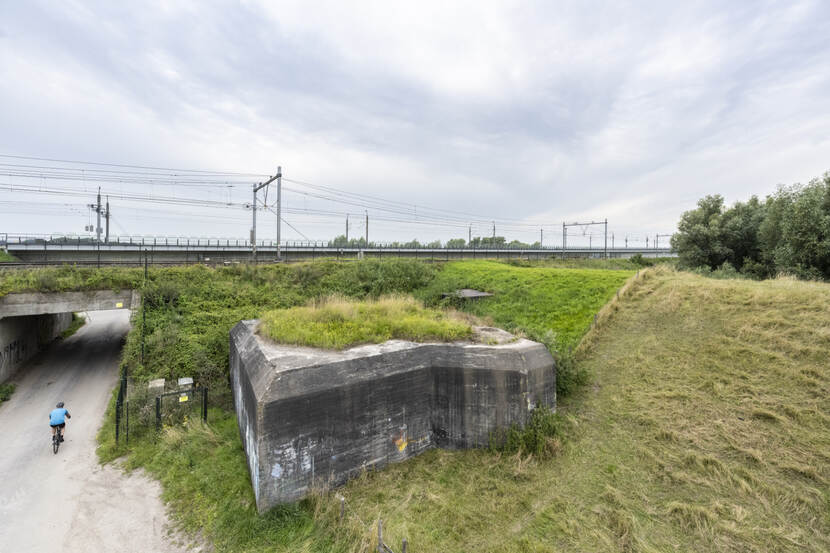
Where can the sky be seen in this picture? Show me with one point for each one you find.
(521, 115)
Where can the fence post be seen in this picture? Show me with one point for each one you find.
(342, 507)
(403, 545)
(158, 412)
(380, 535)
(127, 422)
(204, 403)
(117, 417)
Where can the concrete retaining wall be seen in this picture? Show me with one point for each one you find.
(22, 337)
(309, 416)
(38, 303)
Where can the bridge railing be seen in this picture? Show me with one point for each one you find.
(77, 241)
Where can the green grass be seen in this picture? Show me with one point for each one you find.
(551, 305)
(68, 278)
(77, 322)
(191, 310)
(335, 322)
(610, 264)
(6, 257)
(6, 391)
(705, 427)
(205, 481)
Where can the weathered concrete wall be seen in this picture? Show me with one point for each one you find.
(38, 303)
(310, 416)
(22, 337)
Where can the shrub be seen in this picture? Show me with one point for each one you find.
(641, 261)
(541, 436)
(6, 391)
(161, 294)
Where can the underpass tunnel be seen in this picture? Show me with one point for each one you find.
(24, 336)
(31, 322)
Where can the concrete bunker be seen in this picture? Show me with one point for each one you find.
(30, 321)
(309, 416)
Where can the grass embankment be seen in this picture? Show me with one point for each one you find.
(67, 278)
(549, 305)
(706, 427)
(189, 314)
(337, 323)
(6, 257)
(554, 306)
(610, 264)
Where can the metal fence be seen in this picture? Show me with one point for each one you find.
(179, 406)
(140, 410)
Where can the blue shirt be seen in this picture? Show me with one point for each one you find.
(57, 416)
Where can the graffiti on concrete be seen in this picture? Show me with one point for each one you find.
(13, 353)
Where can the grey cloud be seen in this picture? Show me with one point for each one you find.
(585, 122)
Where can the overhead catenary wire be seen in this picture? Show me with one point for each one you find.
(97, 163)
(326, 206)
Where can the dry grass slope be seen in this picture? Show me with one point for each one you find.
(706, 427)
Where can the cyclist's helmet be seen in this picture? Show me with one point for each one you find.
(59, 405)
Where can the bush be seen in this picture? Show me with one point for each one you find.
(541, 436)
(6, 391)
(641, 261)
(569, 374)
(162, 294)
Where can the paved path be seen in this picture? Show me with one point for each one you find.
(68, 502)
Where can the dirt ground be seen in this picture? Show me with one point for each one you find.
(68, 502)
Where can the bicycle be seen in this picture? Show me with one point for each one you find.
(57, 439)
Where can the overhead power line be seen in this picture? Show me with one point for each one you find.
(96, 163)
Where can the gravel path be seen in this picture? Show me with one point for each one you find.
(68, 502)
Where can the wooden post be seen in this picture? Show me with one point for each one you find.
(380, 536)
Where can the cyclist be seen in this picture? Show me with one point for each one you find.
(57, 419)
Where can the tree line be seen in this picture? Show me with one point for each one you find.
(789, 232)
(476, 242)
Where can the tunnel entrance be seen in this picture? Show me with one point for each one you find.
(31, 321)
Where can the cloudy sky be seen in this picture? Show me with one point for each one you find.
(524, 113)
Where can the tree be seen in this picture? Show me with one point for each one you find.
(805, 230)
(789, 231)
(739, 227)
(456, 243)
(698, 242)
(487, 242)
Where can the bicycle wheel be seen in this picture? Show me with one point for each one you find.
(56, 442)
